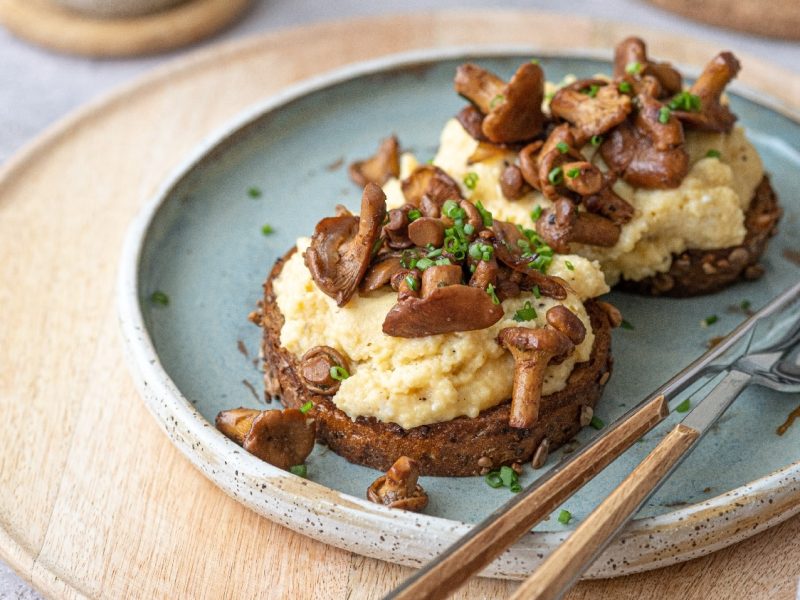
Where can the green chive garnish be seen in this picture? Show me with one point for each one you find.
(536, 292)
(159, 297)
(339, 373)
(412, 282)
(709, 320)
(485, 214)
(490, 290)
(713, 154)
(573, 173)
(499, 99)
(471, 180)
(555, 176)
(254, 192)
(562, 147)
(596, 140)
(569, 265)
(592, 91)
(633, 68)
(306, 407)
(534, 61)
(625, 87)
(526, 313)
(267, 229)
(299, 470)
(745, 305)
(663, 115)
(536, 213)
(597, 422)
(626, 325)
(414, 214)
(684, 406)
(685, 101)
(564, 517)
(493, 479)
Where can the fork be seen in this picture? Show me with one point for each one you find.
(776, 366)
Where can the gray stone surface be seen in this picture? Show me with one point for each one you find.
(38, 87)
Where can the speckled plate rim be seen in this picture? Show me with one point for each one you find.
(402, 537)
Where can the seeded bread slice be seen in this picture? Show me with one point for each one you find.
(452, 448)
(697, 272)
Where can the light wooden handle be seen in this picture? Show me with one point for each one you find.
(477, 549)
(567, 562)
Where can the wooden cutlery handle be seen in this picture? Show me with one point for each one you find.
(570, 560)
(487, 541)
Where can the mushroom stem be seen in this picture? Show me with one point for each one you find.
(527, 394)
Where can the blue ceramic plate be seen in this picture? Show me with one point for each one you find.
(200, 242)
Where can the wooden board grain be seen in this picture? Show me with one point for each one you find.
(46, 24)
(94, 501)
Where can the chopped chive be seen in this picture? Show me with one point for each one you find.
(684, 406)
(555, 176)
(424, 263)
(573, 173)
(299, 470)
(490, 290)
(471, 180)
(597, 422)
(526, 313)
(745, 305)
(536, 292)
(412, 282)
(434, 253)
(306, 407)
(709, 320)
(562, 147)
(713, 153)
(267, 229)
(499, 99)
(515, 487)
(507, 475)
(569, 265)
(159, 297)
(443, 262)
(596, 140)
(685, 101)
(663, 115)
(429, 161)
(534, 61)
(469, 229)
(493, 479)
(536, 213)
(592, 91)
(485, 214)
(414, 214)
(339, 373)
(254, 192)
(625, 87)
(626, 325)
(564, 517)
(633, 68)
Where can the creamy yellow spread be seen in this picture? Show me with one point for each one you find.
(706, 211)
(425, 380)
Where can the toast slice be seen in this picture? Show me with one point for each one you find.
(451, 448)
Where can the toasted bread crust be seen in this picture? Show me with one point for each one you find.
(697, 272)
(451, 448)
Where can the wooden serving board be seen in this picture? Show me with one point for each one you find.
(94, 501)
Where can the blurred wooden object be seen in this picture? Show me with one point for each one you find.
(94, 500)
(46, 24)
(776, 18)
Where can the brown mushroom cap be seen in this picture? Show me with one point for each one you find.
(512, 111)
(396, 229)
(512, 183)
(647, 153)
(591, 114)
(399, 487)
(567, 322)
(379, 168)
(283, 438)
(563, 224)
(236, 422)
(446, 309)
(713, 115)
(633, 50)
(610, 205)
(428, 187)
(533, 350)
(380, 273)
(315, 369)
(341, 247)
(426, 231)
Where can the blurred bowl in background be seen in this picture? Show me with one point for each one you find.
(117, 8)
